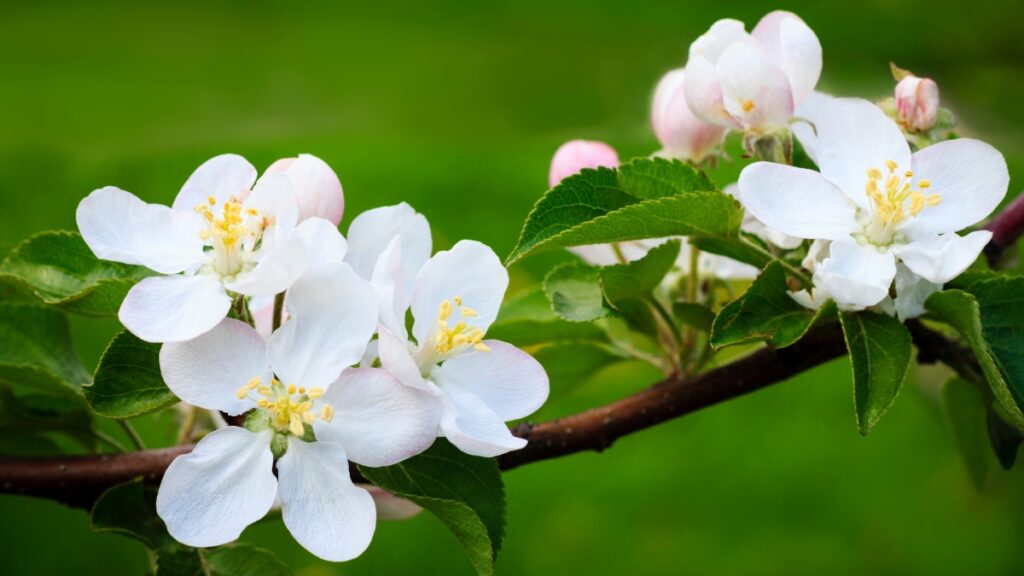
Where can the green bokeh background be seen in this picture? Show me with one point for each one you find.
(456, 107)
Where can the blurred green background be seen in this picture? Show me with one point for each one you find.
(456, 107)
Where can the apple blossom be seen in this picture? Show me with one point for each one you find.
(879, 205)
(753, 82)
(221, 236)
(681, 134)
(576, 155)
(308, 416)
(315, 185)
(917, 103)
(479, 383)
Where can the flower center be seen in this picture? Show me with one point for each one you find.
(232, 234)
(893, 199)
(290, 408)
(448, 338)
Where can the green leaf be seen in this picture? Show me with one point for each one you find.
(647, 198)
(574, 290)
(571, 364)
(27, 422)
(528, 319)
(40, 337)
(880, 352)
(129, 509)
(966, 413)
(765, 312)
(1004, 438)
(637, 279)
(961, 310)
(128, 381)
(1001, 302)
(465, 492)
(692, 314)
(59, 269)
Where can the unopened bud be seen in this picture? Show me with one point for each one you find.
(576, 155)
(315, 185)
(681, 134)
(917, 103)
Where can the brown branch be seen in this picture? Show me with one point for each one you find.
(1006, 229)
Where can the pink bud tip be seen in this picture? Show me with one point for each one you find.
(682, 135)
(917, 103)
(576, 155)
(315, 185)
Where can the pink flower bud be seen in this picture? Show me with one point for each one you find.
(316, 187)
(917, 103)
(576, 155)
(682, 135)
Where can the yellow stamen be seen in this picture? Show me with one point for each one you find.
(327, 414)
(891, 165)
(747, 105)
(315, 393)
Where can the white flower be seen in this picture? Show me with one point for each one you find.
(754, 226)
(753, 82)
(221, 236)
(681, 134)
(317, 188)
(575, 155)
(309, 413)
(480, 383)
(880, 205)
(917, 103)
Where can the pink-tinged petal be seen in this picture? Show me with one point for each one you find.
(856, 275)
(378, 420)
(855, 136)
(917, 103)
(209, 496)
(969, 176)
(681, 134)
(118, 226)
(911, 293)
(754, 90)
(223, 177)
(278, 268)
(316, 187)
(174, 308)
(208, 370)
(703, 93)
(333, 315)
(794, 48)
(509, 381)
(941, 258)
(575, 155)
(327, 514)
(324, 243)
(397, 360)
(372, 231)
(261, 309)
(722, 34)
(474, 428)
(470, 271)
(796, 201)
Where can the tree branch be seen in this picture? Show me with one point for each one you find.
(1006, 229)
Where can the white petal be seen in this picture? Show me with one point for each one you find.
(854, 136)
(474, 428)
(207, 497)
(509, 381)
(278, 268)
(971, 178)
(911, 292)
(324, 511)
(372, 231)
(223, 177)
(703, 93)
(722, 34)
(471, 271)
(333, 315)
(796, 201)
(388, 283)
(793, 46)
(754, 90)
(378, 420)
(596, 254)
(118, 226)
(207, 371)
(857, 276)
(807, 116)
(396, 358)
(939, 259)
(316, 187)
(174, 308)
(725, 268)
(324, 243)
(273, 198)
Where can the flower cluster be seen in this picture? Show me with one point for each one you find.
(337, 377)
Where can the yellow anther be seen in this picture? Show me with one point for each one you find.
(302, 390)
(747, 105)
(874, 174)
(444, 311)
(265, 391)
(327, 413)
(251, 211)
(291, 389)
(468, 312)
(933, 199)
(315, 393)
(211, 200)
(263, 403)
(295, 424)
(254, 382)
(242, 392)
(891, 165)
(908, 174)
(481, 347)
(458, 300)
(924, 184)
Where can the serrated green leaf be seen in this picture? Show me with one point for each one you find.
(961, 310)
(27, 422)
(1001, 302)
(637, 279)
(648, 178)
(1004, 438)
(465, 492)
(966, 414)
(571, 364)
(129, 509)
(692, 314)
(880, 352)
(59, 269)
(574, 290)
(37, 336)
(765, 312)
(527, 319)
(128, 381)
(232, 560)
